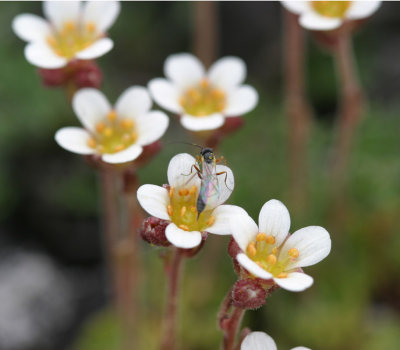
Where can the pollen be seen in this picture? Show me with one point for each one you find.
(282, 275)
(270, 239)
(261, 237)
(203, 99)
(251, 249)
(271, 259)
(183, 192)
(112, 134)
(293, 253)
(184, 227)
(183, 210)
(170, 210)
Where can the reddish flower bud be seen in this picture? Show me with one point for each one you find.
(153, 231)
(53, 77)
(233, 251)
(248, 294)
(88, 75)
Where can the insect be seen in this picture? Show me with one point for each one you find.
(206, 169)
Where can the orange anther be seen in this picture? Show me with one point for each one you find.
(282, 275)
(184, 227)
(271, 259)
(100, 126)
(183, 210)
(204, 83)
(293, 253)
(169, 210)
(193, 190)
(261, 237)
(112, 115)
(183, 192)
(274, 250)
(210, 221)
(127, 123)
(92, 142)
(90, 26)
(107, 131)
(251, 249)
(270, 239)
(171, 191)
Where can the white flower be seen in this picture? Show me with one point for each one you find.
(203, 99)
(328, 15)
(262, 341)
(70, 31)
(117, 134)
(271, 253)
(179, 204)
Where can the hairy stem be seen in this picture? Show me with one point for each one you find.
(205, 32)
(298, 109)
(174, 272)
(233, 329)
(350, 106)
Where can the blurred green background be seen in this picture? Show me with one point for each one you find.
(50, 203)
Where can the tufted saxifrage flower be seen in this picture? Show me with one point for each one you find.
(116, 134)
(70, 31)
(329, 15)
(203, 99)
(262, 341)
(269, 252)
(178, 204)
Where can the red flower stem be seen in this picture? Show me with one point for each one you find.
(174, 273)
(298, 109)
(231, 333)
(350, 105)
(205, 31)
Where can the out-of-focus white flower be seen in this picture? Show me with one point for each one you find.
(262, 341)
(271, 253)
(203, 99)
(70, 31)
(117, 134)
(328, 15)
(179, 204)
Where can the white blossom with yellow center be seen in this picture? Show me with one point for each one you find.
(117, 133)
(262, 341)
(203, 99)
(329, 15)
(70, 31)
(271, 253)
(178, 204)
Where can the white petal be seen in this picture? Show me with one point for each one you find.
(313, 21)
(362, 9)
(154, 199)
(252, 267)
(211, 122)
(295, 281)
(102, 13)
(313, 244)
(241, 101)
(31, 28)
(227, 73)
(296, 7)
(165, 94)
(243, 229)
(184, 70)
(300, 348)
(59, 12)
(40, 55)
(97, 49)
(134, 102)
(182, 239)
(258, 341)
(226, 183)
(74, 140)
(222, 215)
(90, 106)
(127, 155)
(180, 171)
(151, 127)
(274, 219)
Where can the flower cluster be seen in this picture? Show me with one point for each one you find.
(329, 15)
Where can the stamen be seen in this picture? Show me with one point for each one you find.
(119, 148)
(171, 191)
(270, 239)
(127, 123)
(282, 275)
(92, 142)
(204, 83)
(107, 131)
(210, 221)
(90, 26)
(251, 249)
(112, 115)
(183, 192)
(169, 210)
(184, 227)
(271, 259)
(293, 253)
(100, 126)
(69, 25)
(274, 250)
(261, 237)
(193, 190)
(183, 210)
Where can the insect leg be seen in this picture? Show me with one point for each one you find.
(226, 177)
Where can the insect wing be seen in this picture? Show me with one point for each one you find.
(209, 190)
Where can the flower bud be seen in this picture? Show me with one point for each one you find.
(248, 294)
(88, 75)
(153, 231)
(53, 77)
(233, 251)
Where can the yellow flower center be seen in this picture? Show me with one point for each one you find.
(333, 9)
(113, 134)
(183, 212)
(266, 255)
(203, 99)
(72, 38)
